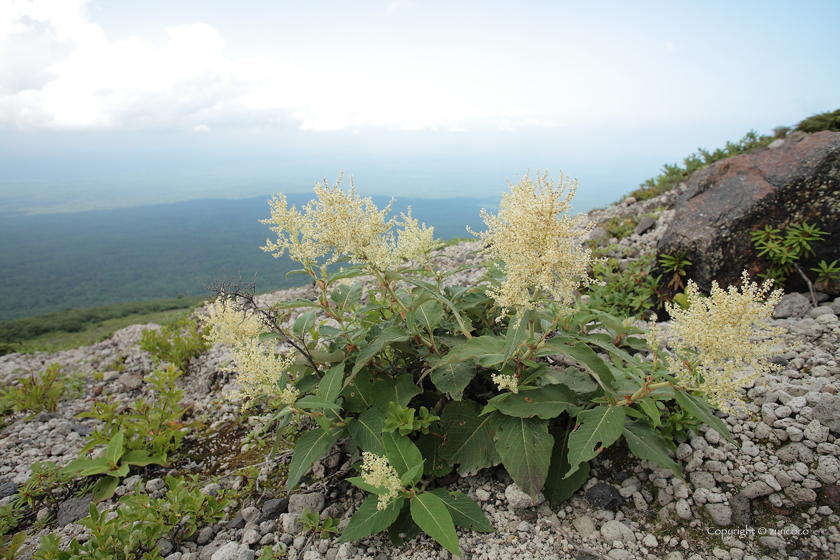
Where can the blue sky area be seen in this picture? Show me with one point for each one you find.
(112, 103)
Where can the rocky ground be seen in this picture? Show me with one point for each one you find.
(774, 495)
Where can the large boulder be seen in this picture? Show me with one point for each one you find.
(794, 183)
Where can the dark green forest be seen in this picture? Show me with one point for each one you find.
(53, 262)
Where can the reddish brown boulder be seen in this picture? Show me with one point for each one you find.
(794, 183)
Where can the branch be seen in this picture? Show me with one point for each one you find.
(810, 286)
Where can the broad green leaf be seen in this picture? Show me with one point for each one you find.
(545, 402)
(306, 383)
(385, 391)
(295, 303)
(429, 445)
(647, 443)
(558, 489)
(429, 315)
(580, 353)
(309, 448)
(413, 475)
(386, 337)
(469, 440)
(517, 332)
(597, 429)
(649, 406)
(369, 520)
(367, 431)
(104, 488)
(358, 392)
(331, 383)
(88, 467)
(453, 378)
(309, 402)
(115, 449)
(488, 350)
(404, 528)
(701, 410)
(401, 452)
(524, 445)
(345, 296)
(279, 434)
(430, 513)
(324, 357)
(266, 336)
(464, 511)
(576, 380)
(120, 472)
(304, 323)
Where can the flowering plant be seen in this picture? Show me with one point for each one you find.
(479, 365)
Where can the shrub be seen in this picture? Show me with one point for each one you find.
(176, 343)
(36, 393)
(830, 120)
(474, 357)
(625, 293)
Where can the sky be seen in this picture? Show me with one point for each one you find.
(110, 103)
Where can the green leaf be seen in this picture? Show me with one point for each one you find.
(517, 333)
(359, 482)
(304, 323)
(366, 431)
(309, 402)
(558, 489)
(345, 296)
(404, 525)
(429, 315)
(469, 441)
(429, 445)
(309, 448)
(647, 443)
(115, 449)
(358, 392)
(464, 511)
(488, 350)
(88, 467)
(580, 353)
(331, 383)
(431, 514)
(306, 383)
(279, 434)
(524, 445)
(369, 520)
(120, 472)
(702, 411)
(295, 303)
(576, 380)
(401, 452)
(266, 336)
(386, 337)
(413, 475)
(597, 429)
(104, 488)
(453, 378)
(649, 406)
(545, 402)
(385, 391)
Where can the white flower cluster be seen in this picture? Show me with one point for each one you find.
(508, 382)
(377, 472)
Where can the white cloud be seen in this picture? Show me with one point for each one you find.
(201, 128)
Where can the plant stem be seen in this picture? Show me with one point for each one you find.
(810, 286)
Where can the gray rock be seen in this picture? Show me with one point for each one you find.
(299, 502)
(154, 485)
(208, 551)
(205, 535)
(827, 411)
(250, 514)
(721, 514)
(599, 235)
(72, 510)
(233, 551)
(519, 499)
(800, 495)
(165, 546)
(271, 509)
(777, 143)
(617, 531)
(238, 522)
(584, 525)
(774, 543)
(756, 490)
(828, 469)
(604, 496)
(7, 489)
(792, 305)
(130, 381)
(683, 509)
(250, 536)
(644, 224)
(741, 513)
(211, 489)
(702, 479)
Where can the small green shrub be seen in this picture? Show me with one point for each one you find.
(177, 343)
(312, 523)
(12, 547)
(619, 227)
(38, 489)
(36, 393)
(152, 425)
(830, 120)
(626, 293)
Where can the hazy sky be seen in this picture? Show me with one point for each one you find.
(115, 102)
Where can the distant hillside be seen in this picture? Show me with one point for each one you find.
(52, 262)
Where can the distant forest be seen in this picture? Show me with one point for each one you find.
(52, 262)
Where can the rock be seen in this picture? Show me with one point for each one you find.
(731, 198)
(250, 536)
(165, 546)
(777, 143)
(774, 543)
(828, 469)
(130, 382)
(721, 514)
(604, 496)
(250, 515)
(702, 479)
(584, 525)
(154, 485)
(271, 509)
(617, 531)
(683, 509)
(816, 432)
(741, 514)
(644, 224)
(519, 499)
(792, 305)
(233, 551)
(205, 535)
(238, 522)
(7, 489)
(756, 490)
(299, 502)
(800, 495)
(827, 411)
(629, 200)
(211, 489)
(72, 510)
(650, 541)
(482, 495)
(599, 235)
(81, 429)
(832, 494)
